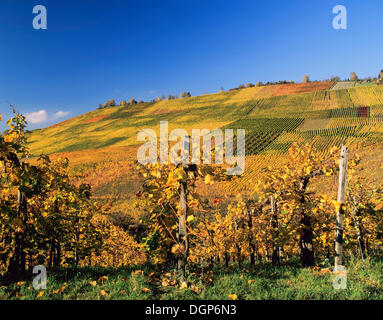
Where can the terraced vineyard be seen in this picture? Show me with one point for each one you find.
(335, 132)
(273, 116)
(323, 119)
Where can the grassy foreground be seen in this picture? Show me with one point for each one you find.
(287, 282)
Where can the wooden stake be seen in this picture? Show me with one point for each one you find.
(275, 254)
(340, 213)
(359, 231)
(182, 231)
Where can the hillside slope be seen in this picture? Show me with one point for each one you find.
(339, 113)
(101, 145)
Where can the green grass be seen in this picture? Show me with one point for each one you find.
(287, 282)
(120, 284)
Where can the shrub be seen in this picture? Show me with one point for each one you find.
(110, 103)
(132, 101)
(185, 95)
(259, 83)
(123, 103)
(305, 79)
(353, 76)
(249, 85)
(335, 79)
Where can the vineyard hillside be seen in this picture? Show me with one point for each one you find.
(274, 116)
(88, 204)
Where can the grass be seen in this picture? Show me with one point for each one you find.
(261, 282)
(76, 284)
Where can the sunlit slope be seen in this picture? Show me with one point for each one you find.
(118, 126)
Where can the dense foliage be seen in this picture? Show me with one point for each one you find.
(46, 219)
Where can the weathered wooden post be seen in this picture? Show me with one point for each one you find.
(359, 231)
(274, 224)
(250, 213)
(340, 213)
(182, 231)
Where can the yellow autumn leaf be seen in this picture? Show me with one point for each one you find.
(208, 179)
(250, 281)
(93, 283)
(175, 249)
(103, 293)
(40, 294)
(233, 296)
(102, 279)
(146, 290)
(195, 289)
(190, 218)
(164, 283)
(325, 270)
(183, 285)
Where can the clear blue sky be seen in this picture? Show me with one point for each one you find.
(96, 50)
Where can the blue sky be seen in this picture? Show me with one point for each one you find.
(96, 50)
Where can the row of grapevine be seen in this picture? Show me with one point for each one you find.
(279, 219)
(47, 219)
(266, 124)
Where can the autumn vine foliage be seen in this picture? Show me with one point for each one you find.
(282, 218)
(46, 219)
(161, 198)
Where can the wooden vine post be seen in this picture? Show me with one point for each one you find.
(182, 236)
(182, 231)
(275, 255)
(359, 230)
(340, 212)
